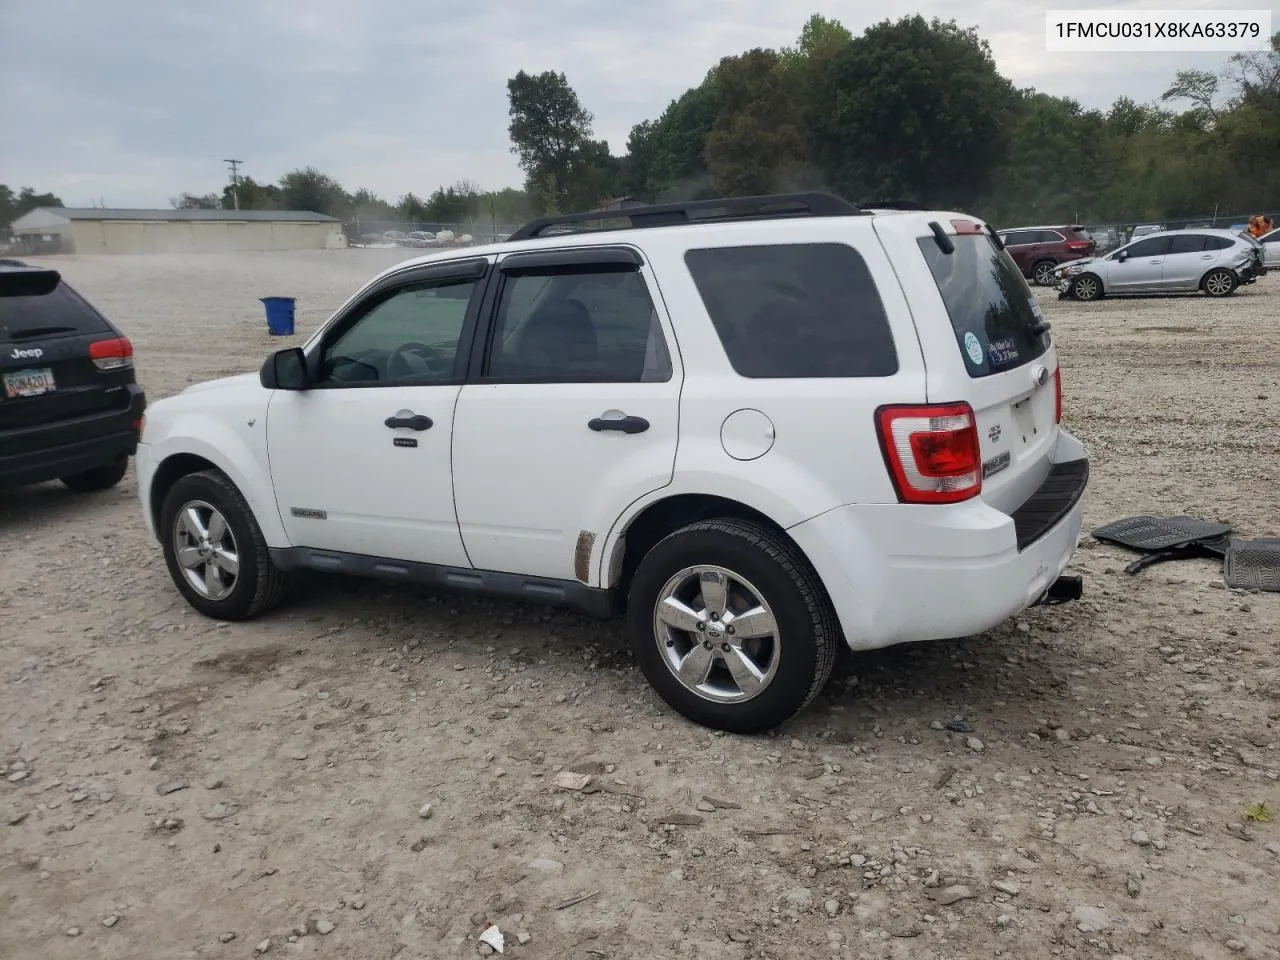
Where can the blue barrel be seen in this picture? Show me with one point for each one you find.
(279, 315)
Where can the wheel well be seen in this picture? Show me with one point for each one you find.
(170, 472)
(666, 516)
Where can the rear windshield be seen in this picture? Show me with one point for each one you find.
(61, 313)
(1082, 233)
(795, 310)
(997, 322)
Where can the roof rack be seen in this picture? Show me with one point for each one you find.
(770, 207)
(892, 205)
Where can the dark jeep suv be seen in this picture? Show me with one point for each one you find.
(1038, 250)
(70, 407)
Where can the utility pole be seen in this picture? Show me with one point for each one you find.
(235, 181)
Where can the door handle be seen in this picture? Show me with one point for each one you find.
(621, 424)
(414, 421)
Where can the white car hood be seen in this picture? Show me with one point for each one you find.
(224, 383)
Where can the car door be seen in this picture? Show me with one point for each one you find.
(361, 460)
(571, 413)
(1186, 261)
(1271, 250)
(1021, 245)
(1137, 268)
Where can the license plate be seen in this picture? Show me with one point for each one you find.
(1063, 284)
(28, 383)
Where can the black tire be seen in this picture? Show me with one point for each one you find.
(807, 632)
(259, 585)
(1086, 287)
(99, 478)
(1042, 273)
(1219, 282)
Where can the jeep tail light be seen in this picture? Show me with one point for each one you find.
(1057, 395)
(113, 354)
(1078, 246)
(931, 451)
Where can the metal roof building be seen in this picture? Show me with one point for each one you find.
(106, 230)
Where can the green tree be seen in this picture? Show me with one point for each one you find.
(549, 129)
(14, 205)
(912, 109)
(309, 189)
(252, 195)
(756, 140)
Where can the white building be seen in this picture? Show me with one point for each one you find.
(89, 230)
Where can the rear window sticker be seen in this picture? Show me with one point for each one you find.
(1002, 351)
(1035, 308)
(973, 348)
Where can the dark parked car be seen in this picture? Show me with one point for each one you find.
(1039, 250)
(70, 406)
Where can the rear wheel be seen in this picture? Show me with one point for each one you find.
(1086, 287)
(99, 478)
(1219, 283)
(731, 625)
(215, 551)
(1042, 272)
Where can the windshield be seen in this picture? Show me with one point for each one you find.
(997, 321)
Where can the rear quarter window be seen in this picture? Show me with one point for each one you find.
(60, 313)
(997, 322)
(798, 310)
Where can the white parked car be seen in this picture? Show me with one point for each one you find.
(760, 429)
(1215, 262)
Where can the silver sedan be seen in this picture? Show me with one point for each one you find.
(1214, 262)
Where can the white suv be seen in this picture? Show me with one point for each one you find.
(761, 427)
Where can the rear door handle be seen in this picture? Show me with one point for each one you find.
(621, 424)
(414, 421)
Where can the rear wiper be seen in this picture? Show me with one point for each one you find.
(1041, 326)
(38, 332)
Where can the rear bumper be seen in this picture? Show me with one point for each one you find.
(79, 444)
(901, 573)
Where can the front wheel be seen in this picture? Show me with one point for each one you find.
(1086, 288)
(215, 551)
(731, 625)
(1219, 283)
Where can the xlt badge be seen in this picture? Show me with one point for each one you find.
(995, 464)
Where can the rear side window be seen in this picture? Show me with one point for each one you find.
(1218, 243)
(1049, 236)
(997, 322)
(60, 313)
(1188, 243)
(797, 310)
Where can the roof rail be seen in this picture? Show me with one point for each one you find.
(892, 205)
(769, 207)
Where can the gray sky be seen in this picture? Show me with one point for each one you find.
(133, 101)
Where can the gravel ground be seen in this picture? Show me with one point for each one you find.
(369, 773)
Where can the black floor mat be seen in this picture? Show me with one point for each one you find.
(1253, 565)
(1166, 538)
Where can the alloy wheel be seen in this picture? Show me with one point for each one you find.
(717, 634)
(206, 550)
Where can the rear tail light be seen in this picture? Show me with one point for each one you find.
(1057, 395)
(1079, 245)
(931, 451)
(113, 354)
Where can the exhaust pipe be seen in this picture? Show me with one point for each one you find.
(1063, 590)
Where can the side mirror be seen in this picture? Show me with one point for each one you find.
(1122, 256)
(285, 370)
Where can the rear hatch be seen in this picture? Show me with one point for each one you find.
(59, 357)
(986, 342)
(1080, 242)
